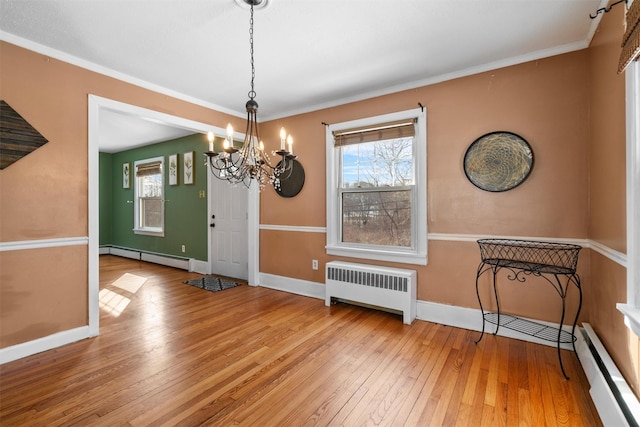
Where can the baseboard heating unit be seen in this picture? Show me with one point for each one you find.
(168, 260)
(383, 287)
(612, 396)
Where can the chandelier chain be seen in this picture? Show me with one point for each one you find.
(252, 93)
(250, 161)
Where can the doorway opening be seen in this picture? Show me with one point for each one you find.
(96, 106)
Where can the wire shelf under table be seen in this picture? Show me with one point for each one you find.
(529, 327)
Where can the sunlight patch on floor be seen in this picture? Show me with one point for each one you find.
(114, 302)
(130, 282)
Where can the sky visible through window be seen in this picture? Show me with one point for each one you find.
(378, 163)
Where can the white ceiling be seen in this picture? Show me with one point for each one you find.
(309, 54)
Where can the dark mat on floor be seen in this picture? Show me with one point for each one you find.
(212, 283)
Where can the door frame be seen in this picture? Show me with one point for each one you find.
(252, 216)
(97, 104)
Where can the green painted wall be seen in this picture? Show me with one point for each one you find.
(185, 213)
(105, 188)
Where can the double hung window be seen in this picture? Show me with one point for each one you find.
(149, 197)
(376, 188)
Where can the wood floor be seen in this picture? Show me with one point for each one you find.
(171, 354)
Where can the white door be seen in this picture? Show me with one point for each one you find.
(228, 207)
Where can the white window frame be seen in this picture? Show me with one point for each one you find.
(418, 253)
(137, 229)
(631, 309)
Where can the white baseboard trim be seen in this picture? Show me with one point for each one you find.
(471, 318)
(198, 266)
(606, 382)
(293, 286)
(188, 264)
(125, 253)
(459, 317)
(18, 351)
(182, 263)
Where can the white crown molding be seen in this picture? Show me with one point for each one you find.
(87, 65)
(533, 56)
(62, 56)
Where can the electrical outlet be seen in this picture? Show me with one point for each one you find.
(314, 264)
(184, 248)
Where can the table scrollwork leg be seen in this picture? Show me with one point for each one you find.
(495, 294)
(563, 296)
(478, 274)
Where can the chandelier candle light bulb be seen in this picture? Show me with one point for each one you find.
(210, 138)
(283, 137)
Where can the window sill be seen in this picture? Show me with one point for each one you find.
(631, 317)
(149, 232)
(378, 255)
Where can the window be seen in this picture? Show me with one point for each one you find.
(631, 309)
(376, 188)
(149, 197)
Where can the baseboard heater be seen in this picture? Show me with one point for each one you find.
(382, 287)
(162, 259)
(612, 396)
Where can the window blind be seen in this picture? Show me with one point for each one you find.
(146, 169)
(384, 131)
(631, 39)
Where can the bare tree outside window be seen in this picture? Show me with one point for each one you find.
(377, 182)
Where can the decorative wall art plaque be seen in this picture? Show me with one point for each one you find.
(498, 161)
(17, 137)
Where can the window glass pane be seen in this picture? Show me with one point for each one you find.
(377, 218)
(149, 196)
(151, 185)
(151, 210)
(386, 163)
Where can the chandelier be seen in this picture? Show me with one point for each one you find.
(249, 162)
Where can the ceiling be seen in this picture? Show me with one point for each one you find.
(309, 54)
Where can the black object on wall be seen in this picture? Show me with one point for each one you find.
(291, 186)
(17, 137)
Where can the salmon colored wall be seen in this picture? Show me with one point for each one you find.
(44, 195)
(607, 187)
(43, 291)
(544, 101)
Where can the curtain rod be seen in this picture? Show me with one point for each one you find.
(606, 9)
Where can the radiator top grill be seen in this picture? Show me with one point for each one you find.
(366, 278)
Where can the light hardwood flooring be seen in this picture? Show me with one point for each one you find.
(171, 354)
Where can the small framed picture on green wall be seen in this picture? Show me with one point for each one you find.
(126, 175)
(188, 167)
(173, 169)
